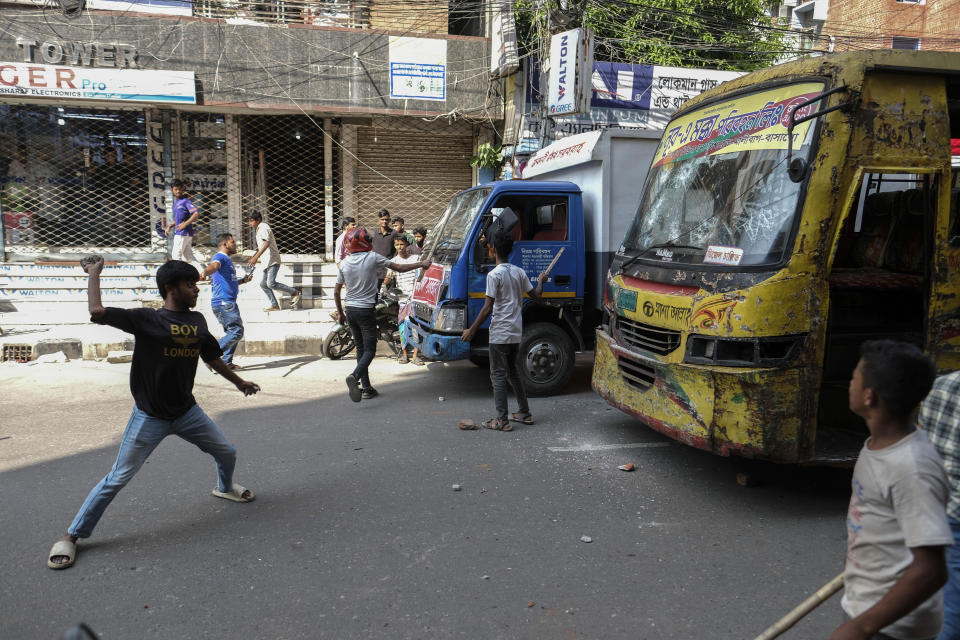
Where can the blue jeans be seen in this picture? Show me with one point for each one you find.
(269, 282)
(141, 437)
(363, 326)
(229, 316)
(503, 369)
(951, 592)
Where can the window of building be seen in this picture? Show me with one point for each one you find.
(900, 42)
(912, 1)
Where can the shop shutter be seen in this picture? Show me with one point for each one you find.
(430, 165)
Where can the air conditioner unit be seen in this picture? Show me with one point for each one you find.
(791, 3)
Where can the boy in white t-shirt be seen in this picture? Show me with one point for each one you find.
(506, 285)
(266, 243)
(897, 523)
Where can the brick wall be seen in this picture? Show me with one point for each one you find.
(871, 24)
(415, 16)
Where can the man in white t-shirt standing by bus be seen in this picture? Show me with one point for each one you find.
(266, 243)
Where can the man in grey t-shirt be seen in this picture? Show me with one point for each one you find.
(506, 285)
(896, 523)
(359, 273)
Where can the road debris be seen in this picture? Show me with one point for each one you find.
(456, 487)
(627, 467)
(467, 425)
(586, 539)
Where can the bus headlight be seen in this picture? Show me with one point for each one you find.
(745, 352)
(450, 318)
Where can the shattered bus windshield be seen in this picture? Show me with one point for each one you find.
(718, 193)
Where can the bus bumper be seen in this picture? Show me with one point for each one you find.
(753, 413)
(435, 346)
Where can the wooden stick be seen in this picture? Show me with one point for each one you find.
(805, 607)
(554, 261)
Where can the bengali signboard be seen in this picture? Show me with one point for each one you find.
(29, 80)
(418, 68)
(624, 96)
(755, 121)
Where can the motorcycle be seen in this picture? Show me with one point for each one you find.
(339, 342)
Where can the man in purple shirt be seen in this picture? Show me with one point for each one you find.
(184, 215)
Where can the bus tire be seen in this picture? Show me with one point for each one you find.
(545, 359)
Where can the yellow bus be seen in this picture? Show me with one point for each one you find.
(788, 216)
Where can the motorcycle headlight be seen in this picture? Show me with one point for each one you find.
(450, 319)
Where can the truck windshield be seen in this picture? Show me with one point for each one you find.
(718, 192)
(451, 230)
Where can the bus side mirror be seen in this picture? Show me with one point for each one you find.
(797, 170)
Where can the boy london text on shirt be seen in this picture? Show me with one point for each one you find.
(264, 234)
(898, 501)
(359, 274)
(224, 284)
(182, 210)
(166, 347)
(506, 284)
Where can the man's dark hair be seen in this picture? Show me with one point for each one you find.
(503, 244)
(383, 212)
(173, 272)
(256, 216)
(401, 237)
(899, 372)
(178, 183)
(223, 237)
(398, 219)
(345, 220)
(421, 230)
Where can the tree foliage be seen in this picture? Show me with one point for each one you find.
(721, 34)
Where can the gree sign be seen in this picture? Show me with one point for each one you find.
(571, 60)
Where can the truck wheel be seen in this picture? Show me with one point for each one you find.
(545, 359)
(338, 343)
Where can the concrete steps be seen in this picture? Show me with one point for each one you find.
(43, 309)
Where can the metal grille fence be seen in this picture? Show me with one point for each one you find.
(74, 180)
(73, 177)
(334, 13)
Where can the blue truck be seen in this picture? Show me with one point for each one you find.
(590, 195)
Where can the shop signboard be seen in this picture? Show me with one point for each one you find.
(624, 96)
(418, 68)
(571, 56)
(29, 80)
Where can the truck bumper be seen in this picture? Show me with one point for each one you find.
(435, 346)
(753, 413)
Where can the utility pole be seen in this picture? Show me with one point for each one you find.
(545, 119)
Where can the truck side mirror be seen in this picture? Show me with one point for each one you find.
(504, 221)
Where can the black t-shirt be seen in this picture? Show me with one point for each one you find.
(165, 354)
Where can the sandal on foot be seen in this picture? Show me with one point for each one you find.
(525, 418)
(498, 424)
(62, 548)
(419, 361)
(235, 494)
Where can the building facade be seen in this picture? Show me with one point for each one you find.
(825, 26)
(305, 111)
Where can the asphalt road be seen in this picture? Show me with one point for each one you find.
(357, 531)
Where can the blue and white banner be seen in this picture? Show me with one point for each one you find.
(28, 80)
(624, 96)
